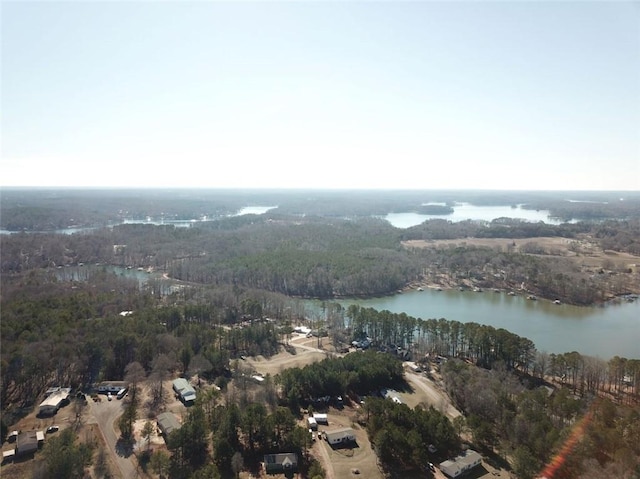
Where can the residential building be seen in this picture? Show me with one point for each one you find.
(461, 464)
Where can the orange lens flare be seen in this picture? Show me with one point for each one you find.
(559, 459)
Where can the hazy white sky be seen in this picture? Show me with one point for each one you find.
(500, 95)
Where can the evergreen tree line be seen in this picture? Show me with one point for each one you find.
(401, 436)
(354, 373)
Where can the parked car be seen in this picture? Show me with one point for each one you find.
(52, 429)
(109, 397)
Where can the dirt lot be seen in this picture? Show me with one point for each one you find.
(306, 350)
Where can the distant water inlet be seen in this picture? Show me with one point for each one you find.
(466, 211)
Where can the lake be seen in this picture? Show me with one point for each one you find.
(603, 331)
(466, 211)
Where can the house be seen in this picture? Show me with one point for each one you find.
(281, 463)
(53, 402)
(183, 389)
(461, 464)
(302, 330)
(340, 436)
(320, 418)
(167, 423)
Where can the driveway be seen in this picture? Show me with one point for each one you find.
(104, 414)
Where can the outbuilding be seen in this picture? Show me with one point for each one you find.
(320, 418)
(340, 436)
(167, 423)
(461, 464)
(27, 443)
(313, 424)
(186, 392)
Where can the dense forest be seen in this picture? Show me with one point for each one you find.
(322, 258)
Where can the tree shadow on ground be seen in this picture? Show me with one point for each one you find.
(495, 460)
(124, 447)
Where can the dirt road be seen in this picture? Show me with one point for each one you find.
(431, 393)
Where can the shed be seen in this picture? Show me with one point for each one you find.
(313, 424)
(8, 455)
(281, 463)
(320, 418)
(167, 423)
(461, 464)
(186, 392)
(340, 436)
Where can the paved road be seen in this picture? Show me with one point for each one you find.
(104, 414)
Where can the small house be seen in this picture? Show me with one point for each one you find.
(461, 464)
(167, 423)
(184, 390)
(281, 463)
(340, 436)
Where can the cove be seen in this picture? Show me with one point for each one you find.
(601, 331)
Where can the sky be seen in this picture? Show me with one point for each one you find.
(531, 95)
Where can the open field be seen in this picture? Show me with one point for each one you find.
(583, 252)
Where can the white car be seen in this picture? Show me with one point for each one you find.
(109, 397)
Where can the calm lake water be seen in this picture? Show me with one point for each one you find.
(466, 211)
(603, 331)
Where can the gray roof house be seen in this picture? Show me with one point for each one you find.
(186, 392)
(461, 464)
